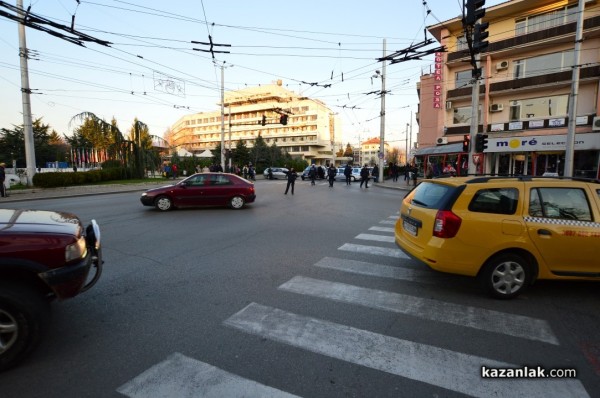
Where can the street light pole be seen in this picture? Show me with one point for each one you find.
(382, 122)
(27, 118)
(223, 114)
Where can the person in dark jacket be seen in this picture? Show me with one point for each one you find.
(348, 174)
(2, 179)
(331, 173)
(312, 174)
(291, 180)
(364, 176)
(375, 173)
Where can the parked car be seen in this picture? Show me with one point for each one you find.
(506, 231)
(279, 173)
(354, 177)
(43, 255)
(321, 173)
(202, 189)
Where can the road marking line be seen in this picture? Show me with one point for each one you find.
(181, 376)
(433, 365)
(378, 251)
(461, 315)
(378, 238)
(387, 222)
(378, 270)
(393, 217)
(382, 229)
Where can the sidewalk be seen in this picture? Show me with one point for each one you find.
(20, 195)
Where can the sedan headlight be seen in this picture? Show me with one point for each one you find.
(76, 251)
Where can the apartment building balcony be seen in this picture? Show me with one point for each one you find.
(523, 43)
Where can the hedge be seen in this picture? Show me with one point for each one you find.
(59, 179)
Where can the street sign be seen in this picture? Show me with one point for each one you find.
(380, 155)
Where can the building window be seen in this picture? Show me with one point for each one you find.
(546, 20)
(539, 108)
(462, 115)
(543, 64)
(463, 78)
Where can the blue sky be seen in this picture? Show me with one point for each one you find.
(309, 41)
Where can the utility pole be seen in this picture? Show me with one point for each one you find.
(410, 139)
(229, 122)
(382, 125)
(570, 149)
(25, 95)
(223, 114)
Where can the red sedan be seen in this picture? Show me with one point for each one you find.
(202, 189)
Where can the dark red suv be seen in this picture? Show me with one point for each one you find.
(43, 255)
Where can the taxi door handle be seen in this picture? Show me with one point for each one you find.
(544, 232)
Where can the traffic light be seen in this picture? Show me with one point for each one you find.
(283, 119)
(479, 35)
(264, 120)
(474, 11)
(480, 142)
(466, 142)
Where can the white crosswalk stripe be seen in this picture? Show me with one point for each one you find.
(378, 238)
(476, 318)
(382, 229)
(374, 250)
(437, 366)
(377, 270)
(392, 222)
(180, 376)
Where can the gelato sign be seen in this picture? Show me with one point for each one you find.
(542, 143)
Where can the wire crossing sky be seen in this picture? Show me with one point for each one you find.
(325, 50)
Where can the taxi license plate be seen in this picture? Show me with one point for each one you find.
(410, 228)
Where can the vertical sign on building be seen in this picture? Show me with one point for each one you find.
(437, 87)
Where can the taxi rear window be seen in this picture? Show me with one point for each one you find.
(432, 195)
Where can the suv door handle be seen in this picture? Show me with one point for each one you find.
(544, 232)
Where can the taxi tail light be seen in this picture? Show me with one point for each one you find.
(446, 224)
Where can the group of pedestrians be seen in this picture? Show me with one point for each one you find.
(331, 172)
(2, 179)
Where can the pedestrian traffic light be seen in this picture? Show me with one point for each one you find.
(480, 142)
(466, 142)
(473, 11)
(479, 35)
(264, 120)
(283, 119)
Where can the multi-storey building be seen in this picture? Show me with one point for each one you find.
(368, 152)
(309, 131)
(524, 92)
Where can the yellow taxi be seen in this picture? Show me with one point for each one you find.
(507, 231)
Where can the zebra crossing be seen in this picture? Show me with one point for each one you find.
(452, 370)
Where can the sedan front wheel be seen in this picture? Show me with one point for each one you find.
(163, 203)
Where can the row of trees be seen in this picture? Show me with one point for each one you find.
(134, 151)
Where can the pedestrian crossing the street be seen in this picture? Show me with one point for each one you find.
(374, 254)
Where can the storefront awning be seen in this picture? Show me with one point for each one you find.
(440, 149)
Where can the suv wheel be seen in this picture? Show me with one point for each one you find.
(506, 276)
(23, 314)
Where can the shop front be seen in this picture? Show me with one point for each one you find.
(542, 155)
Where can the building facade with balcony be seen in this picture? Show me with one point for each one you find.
(368, 152)
(524, 91)
(309, 132)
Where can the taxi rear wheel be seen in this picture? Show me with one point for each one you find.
(506, 276)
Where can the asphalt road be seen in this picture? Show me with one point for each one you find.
(303, 295)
